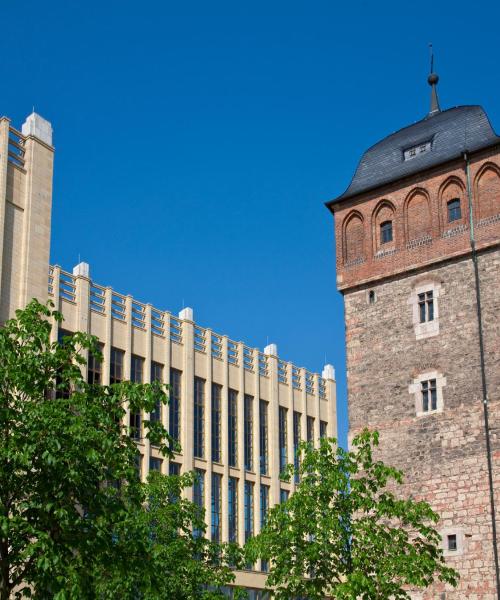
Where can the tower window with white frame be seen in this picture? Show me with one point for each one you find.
(429, 395)
(425, 308)
(427, 390)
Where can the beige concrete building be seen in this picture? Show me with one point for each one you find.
(238, 412)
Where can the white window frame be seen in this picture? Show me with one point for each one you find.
(459, 532)
(416, 388)
(428, 328)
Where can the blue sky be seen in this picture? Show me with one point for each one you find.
(215, 132)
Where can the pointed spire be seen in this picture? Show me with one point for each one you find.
(432, 80)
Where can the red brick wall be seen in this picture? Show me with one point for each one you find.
(422, 234)
(488, 192)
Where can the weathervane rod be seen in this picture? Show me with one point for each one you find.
(433, 80)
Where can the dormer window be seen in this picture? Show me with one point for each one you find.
(454, 210)
(415, 151)
(386, 232)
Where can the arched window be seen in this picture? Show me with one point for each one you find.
(454, 210)
(418, 219)
(354, 239)
(488, 191)
(386, 232)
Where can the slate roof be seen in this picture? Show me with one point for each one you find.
(451, 132)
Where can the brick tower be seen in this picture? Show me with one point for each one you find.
(418, 263)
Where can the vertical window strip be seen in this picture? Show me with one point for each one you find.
(216, 422)
(232, 428)
(174, 404)
(296, 442)
(116, 366)
(174, 468)
(323, 425)
(249, 487)
(283, 437)
(263, 437)
(155, 463)
(199, 497)
(136, 375)
(198, 417)
(310, 429)
(94, 367)
(216, 505)
(232, 512)
(248, 433)
(136, 369)
(264, 507)
(156, 375)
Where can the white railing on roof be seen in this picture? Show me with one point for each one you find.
(216, 346)
(51, 281)
(199, 338)
(138, 315)
(175, 330)
(282, 372)
(263, 365)
(157, 322)
(232, 352)
(97, 298)
(309, 383)
(118, 306)
(67, 287)
(251, 359)
(248, 359)
(16, 149)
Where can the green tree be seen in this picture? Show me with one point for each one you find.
(345, 534)
(74, 516)
(164, 559)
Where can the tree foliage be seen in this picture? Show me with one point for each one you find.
(164, 558)
(75, 519)
(346, 534)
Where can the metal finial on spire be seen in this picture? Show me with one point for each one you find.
(433, 81)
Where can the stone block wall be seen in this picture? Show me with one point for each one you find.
(442, 453)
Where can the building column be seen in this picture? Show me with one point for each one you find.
(303, 418)
(56, 277)
(289, 424)
(82, 293)
(256, 439)
(240, 415)
(147, 379)
(224, 441)
(208, 437)
(187, 403)
(166, 379)
(273, 436)
(317, 412)
(108, 336)
(331, 397)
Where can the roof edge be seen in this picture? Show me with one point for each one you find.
(346, 196)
